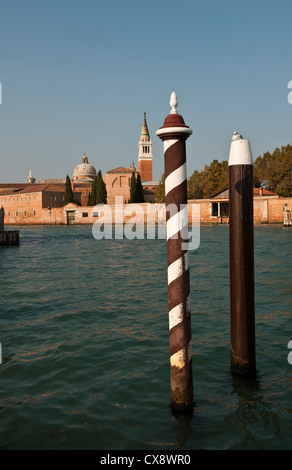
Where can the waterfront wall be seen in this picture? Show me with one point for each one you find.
(266, 210)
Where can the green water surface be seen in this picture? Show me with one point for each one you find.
(84, 336)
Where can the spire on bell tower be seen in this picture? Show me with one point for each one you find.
(145, 132)
(145, 153)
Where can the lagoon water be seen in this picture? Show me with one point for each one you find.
(84, 336)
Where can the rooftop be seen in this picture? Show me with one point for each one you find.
(121, 169)
(33, 188)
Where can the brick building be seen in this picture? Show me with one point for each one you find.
(32, 203)
(118, 180)
(118, 183)
(219, 204)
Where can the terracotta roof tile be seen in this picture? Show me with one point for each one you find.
(121, 169)
(266, 192)
(34, 188)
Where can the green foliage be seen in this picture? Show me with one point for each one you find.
(89, 199)
(133, 188)
(102, 192)
(136, 189)
(139, 190)
(274, 171)
(98, 193)
(160, 190)
(68, 197)
(212, 179)
(195, 186)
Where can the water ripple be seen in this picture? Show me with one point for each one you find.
(84, 335)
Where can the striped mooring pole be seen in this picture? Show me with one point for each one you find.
(174, 133)
(241, 250)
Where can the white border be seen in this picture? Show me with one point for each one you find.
(176, 130)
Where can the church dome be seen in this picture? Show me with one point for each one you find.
(84, 171)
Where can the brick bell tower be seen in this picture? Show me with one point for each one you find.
(145, 153)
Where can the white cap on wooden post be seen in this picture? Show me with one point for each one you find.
(240, 151)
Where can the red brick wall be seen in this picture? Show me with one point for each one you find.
(276, 209)
(273, 207)
(145, 170)
(22, 209)
(117, 184)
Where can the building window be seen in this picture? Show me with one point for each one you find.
(84, 214)
(34, 198)
(214, 209)
(34, 213)
(25, 198)
(29, 198)
(220, 209)
(21, 199)
(8, 214)
(95, 214)
(62, 198)
(24, 213)
(16, 214)
(54, 197)
(84, 192)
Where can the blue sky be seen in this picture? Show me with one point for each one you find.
(77, 77)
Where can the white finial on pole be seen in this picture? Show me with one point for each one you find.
(240, 151)
(173, 103)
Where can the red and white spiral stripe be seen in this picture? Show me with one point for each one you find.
(178, 259)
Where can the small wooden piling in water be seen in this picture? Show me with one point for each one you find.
(241, 247)
(8, 237)
(287, 218)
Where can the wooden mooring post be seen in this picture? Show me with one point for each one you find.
(287, 217)
(241, 247)
(10, 237)
(174, 133)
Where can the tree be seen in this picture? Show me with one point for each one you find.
(139, 190)
(274, 171)
(102, 196)
(160, 190)
(195, 186)
(133, 188)
(98, 192)
(214, 177)
(68, 196)
(261, 170)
